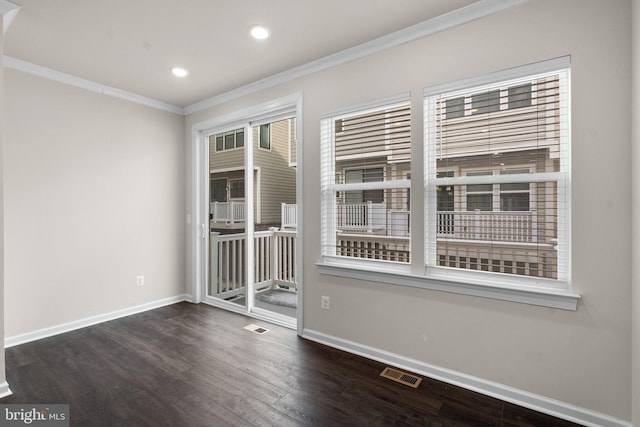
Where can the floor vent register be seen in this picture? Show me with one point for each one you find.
(401, 377)
(257, 329)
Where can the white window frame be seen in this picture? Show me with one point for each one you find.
(562, 284)
(330, 189)
(520, 289)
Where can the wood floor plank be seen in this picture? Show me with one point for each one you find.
(195, 365)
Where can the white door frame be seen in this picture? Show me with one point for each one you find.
(200, 200)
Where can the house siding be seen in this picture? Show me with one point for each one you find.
(277, 179)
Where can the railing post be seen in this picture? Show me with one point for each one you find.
(534, 226)
(275, 256)
(231, 214)
(369, 216)
(213, 263)
(284, 219)
(476, 224)
(215, 211)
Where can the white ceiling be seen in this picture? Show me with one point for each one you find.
(132, 45)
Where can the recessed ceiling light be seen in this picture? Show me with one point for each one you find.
(179, 72)
(259, 32)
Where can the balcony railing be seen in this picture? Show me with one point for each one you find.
(519, 227)
(515, 227)
(274, 261)
(367, 216)
(288, 215)
(388, 248)
(230, 212)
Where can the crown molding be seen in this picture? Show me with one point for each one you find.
(68, 79)
(443, 22)
(8, 11)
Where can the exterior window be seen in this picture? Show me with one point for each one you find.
(366, 155)
(218, 190)
(486, 102)
(239, 138)
(510, 97)
(515, 196)
(265, 136)
(520, 96)
(501, 179)
(364, 175)
(236, 188)
(228, 140)
(454, 108)
(479, 196)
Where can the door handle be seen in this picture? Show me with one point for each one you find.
(203, 228)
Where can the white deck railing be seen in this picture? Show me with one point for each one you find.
(288, 215)
(398, 223)
(274, 261)
(388, 248)
(367, 216)
(232, 211)
(520, 227)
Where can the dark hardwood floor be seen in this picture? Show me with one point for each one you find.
(195, 365)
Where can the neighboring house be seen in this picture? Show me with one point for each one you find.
(373, 147)
(492, 135)
(274, 174)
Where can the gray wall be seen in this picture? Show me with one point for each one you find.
(94, 197)
(635, 114)
(581, 358)
(2, 271)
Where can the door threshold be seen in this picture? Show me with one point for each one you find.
(256, 313)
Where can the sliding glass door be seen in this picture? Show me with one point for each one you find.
(250, 179)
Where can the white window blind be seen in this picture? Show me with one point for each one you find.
(497, 177)
(366, 155)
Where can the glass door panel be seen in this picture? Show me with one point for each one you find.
(227, 278)
(274, 219)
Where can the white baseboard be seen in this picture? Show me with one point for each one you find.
(81, 323)
(5, 390)
(519, 397)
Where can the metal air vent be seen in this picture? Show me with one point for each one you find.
(257, 329)
(401, 377)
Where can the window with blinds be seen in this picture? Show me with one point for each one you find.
(366, 155)
(497, 176)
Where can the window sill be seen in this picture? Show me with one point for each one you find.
(560, 299)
